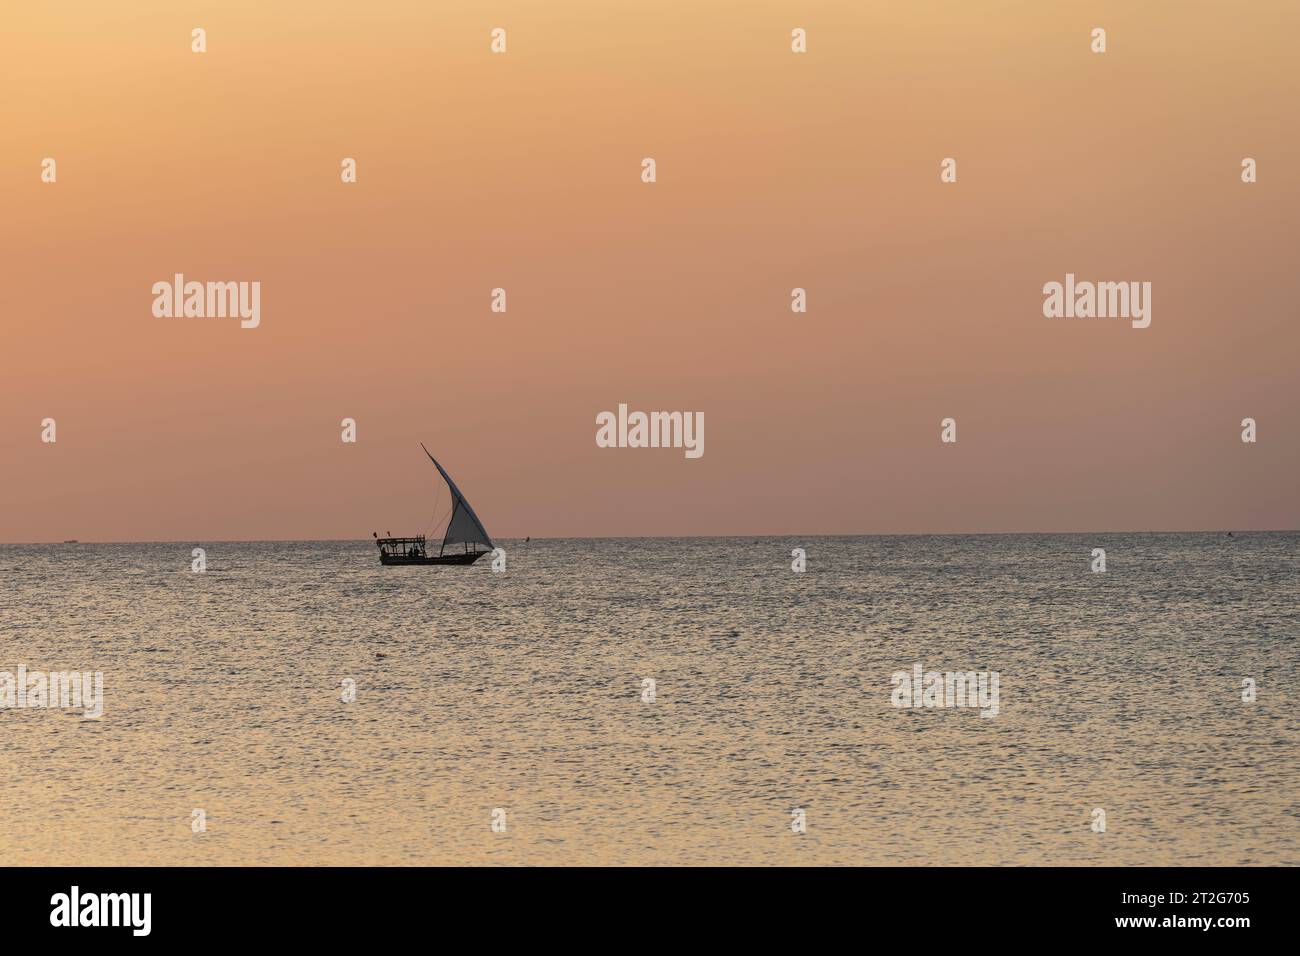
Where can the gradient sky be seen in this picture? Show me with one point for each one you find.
(775, 170)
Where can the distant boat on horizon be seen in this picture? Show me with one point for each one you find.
(463, 528)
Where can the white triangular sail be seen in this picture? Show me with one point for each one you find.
(464, 526)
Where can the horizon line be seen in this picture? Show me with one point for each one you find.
(678, 537)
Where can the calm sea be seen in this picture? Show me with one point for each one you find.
(523, 691)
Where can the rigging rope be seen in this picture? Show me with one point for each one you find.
(433, 521)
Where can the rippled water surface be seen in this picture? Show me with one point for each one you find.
(522, 690)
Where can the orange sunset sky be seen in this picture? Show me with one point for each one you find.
(775, 170)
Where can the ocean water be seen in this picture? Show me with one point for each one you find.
(522, 691)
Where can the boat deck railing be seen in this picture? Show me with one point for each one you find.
(406, 546)
(416, 547)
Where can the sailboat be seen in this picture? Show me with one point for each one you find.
(463, 528)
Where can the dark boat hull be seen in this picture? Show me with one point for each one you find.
(469, 558)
